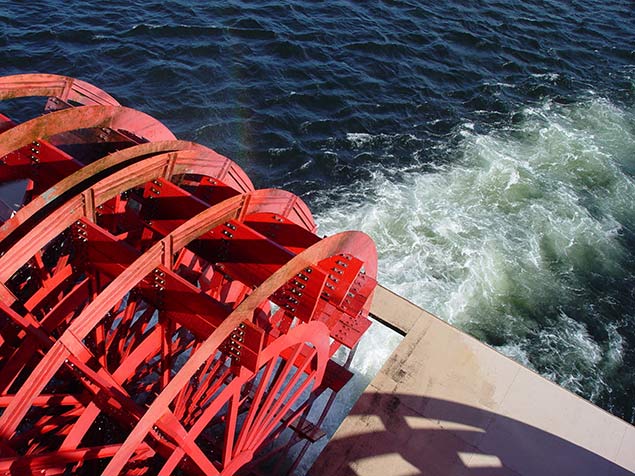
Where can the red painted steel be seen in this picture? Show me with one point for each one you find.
(157, 314)
(59, 88)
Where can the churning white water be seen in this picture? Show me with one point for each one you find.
(519, 237)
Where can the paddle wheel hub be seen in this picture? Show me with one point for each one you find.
(157, 314)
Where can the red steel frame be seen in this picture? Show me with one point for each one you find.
(157, 314)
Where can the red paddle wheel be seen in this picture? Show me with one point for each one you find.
(157, 314)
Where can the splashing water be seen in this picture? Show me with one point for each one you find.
(522, 238)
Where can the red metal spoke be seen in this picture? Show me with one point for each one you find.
(168, 329)
(283, 402)
(231, 420)
(273, 388)
(256, 404)
(217, 371)
(57, 461)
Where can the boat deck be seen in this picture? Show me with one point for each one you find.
(446, 404)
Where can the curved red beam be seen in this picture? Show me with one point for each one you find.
(83, 117)
(85, 177)
(53, 85)
(130, 177)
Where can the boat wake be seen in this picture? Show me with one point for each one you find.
(521, 236)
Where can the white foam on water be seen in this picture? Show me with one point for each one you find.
(507, 235)
(549, 76)
(358, 139)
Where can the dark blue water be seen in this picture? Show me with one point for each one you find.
(488, 147)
